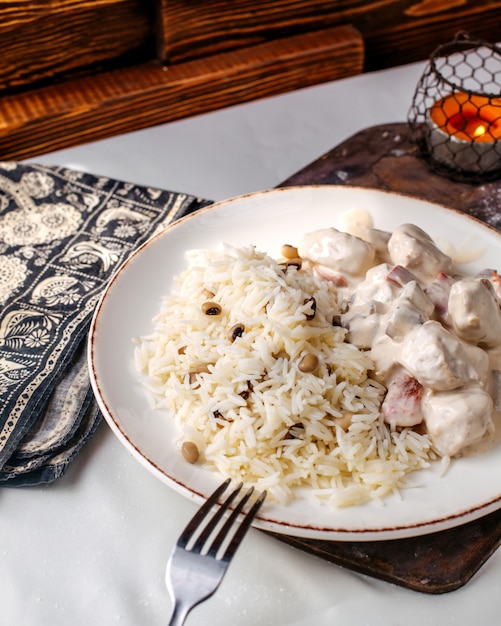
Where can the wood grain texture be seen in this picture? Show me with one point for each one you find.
(77, 60)
(418, 33)
(394, 31)
(434, 564)
(46, 41)
(43, 40)
(131, 98)
(428, 7)
(191, 29)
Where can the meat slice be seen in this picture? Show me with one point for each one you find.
(376, 287)
(402, 404)
(438, 291)
(414, 249)
(457, 420)
(474, 312)
(436, 358)
(337, 250)
(412, 308)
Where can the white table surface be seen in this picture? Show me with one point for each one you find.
(92, 547)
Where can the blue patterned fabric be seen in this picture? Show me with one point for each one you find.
(63, 234)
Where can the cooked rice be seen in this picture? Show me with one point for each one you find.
(287, 433)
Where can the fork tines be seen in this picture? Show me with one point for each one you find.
(207, 534)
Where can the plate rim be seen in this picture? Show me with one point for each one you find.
(262, 521)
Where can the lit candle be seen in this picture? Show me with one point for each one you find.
(465, 132)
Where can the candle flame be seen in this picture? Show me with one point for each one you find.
(480, 130)
(468, 117)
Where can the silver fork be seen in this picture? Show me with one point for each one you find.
(205, 548)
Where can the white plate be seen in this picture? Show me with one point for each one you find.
(471, 487)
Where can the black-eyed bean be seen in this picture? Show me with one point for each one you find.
(308, 363)
(211, 308)
(190, 452)
(313, 305)
(289, 252)
(236, 331)
(295, 432)
(293, 263)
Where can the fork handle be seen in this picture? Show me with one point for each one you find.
(179, 615)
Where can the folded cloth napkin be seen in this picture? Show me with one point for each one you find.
(63, 234)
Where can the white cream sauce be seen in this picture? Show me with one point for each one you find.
(434, 335)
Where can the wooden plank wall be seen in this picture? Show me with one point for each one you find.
(394, 31)
(128, 99)
(47, 41)
(76, 70)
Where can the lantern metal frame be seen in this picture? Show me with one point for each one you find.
(471, 67)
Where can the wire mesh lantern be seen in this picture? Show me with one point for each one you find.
(456, 110)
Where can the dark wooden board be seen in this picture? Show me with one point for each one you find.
(434, 564)
(385, 157)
